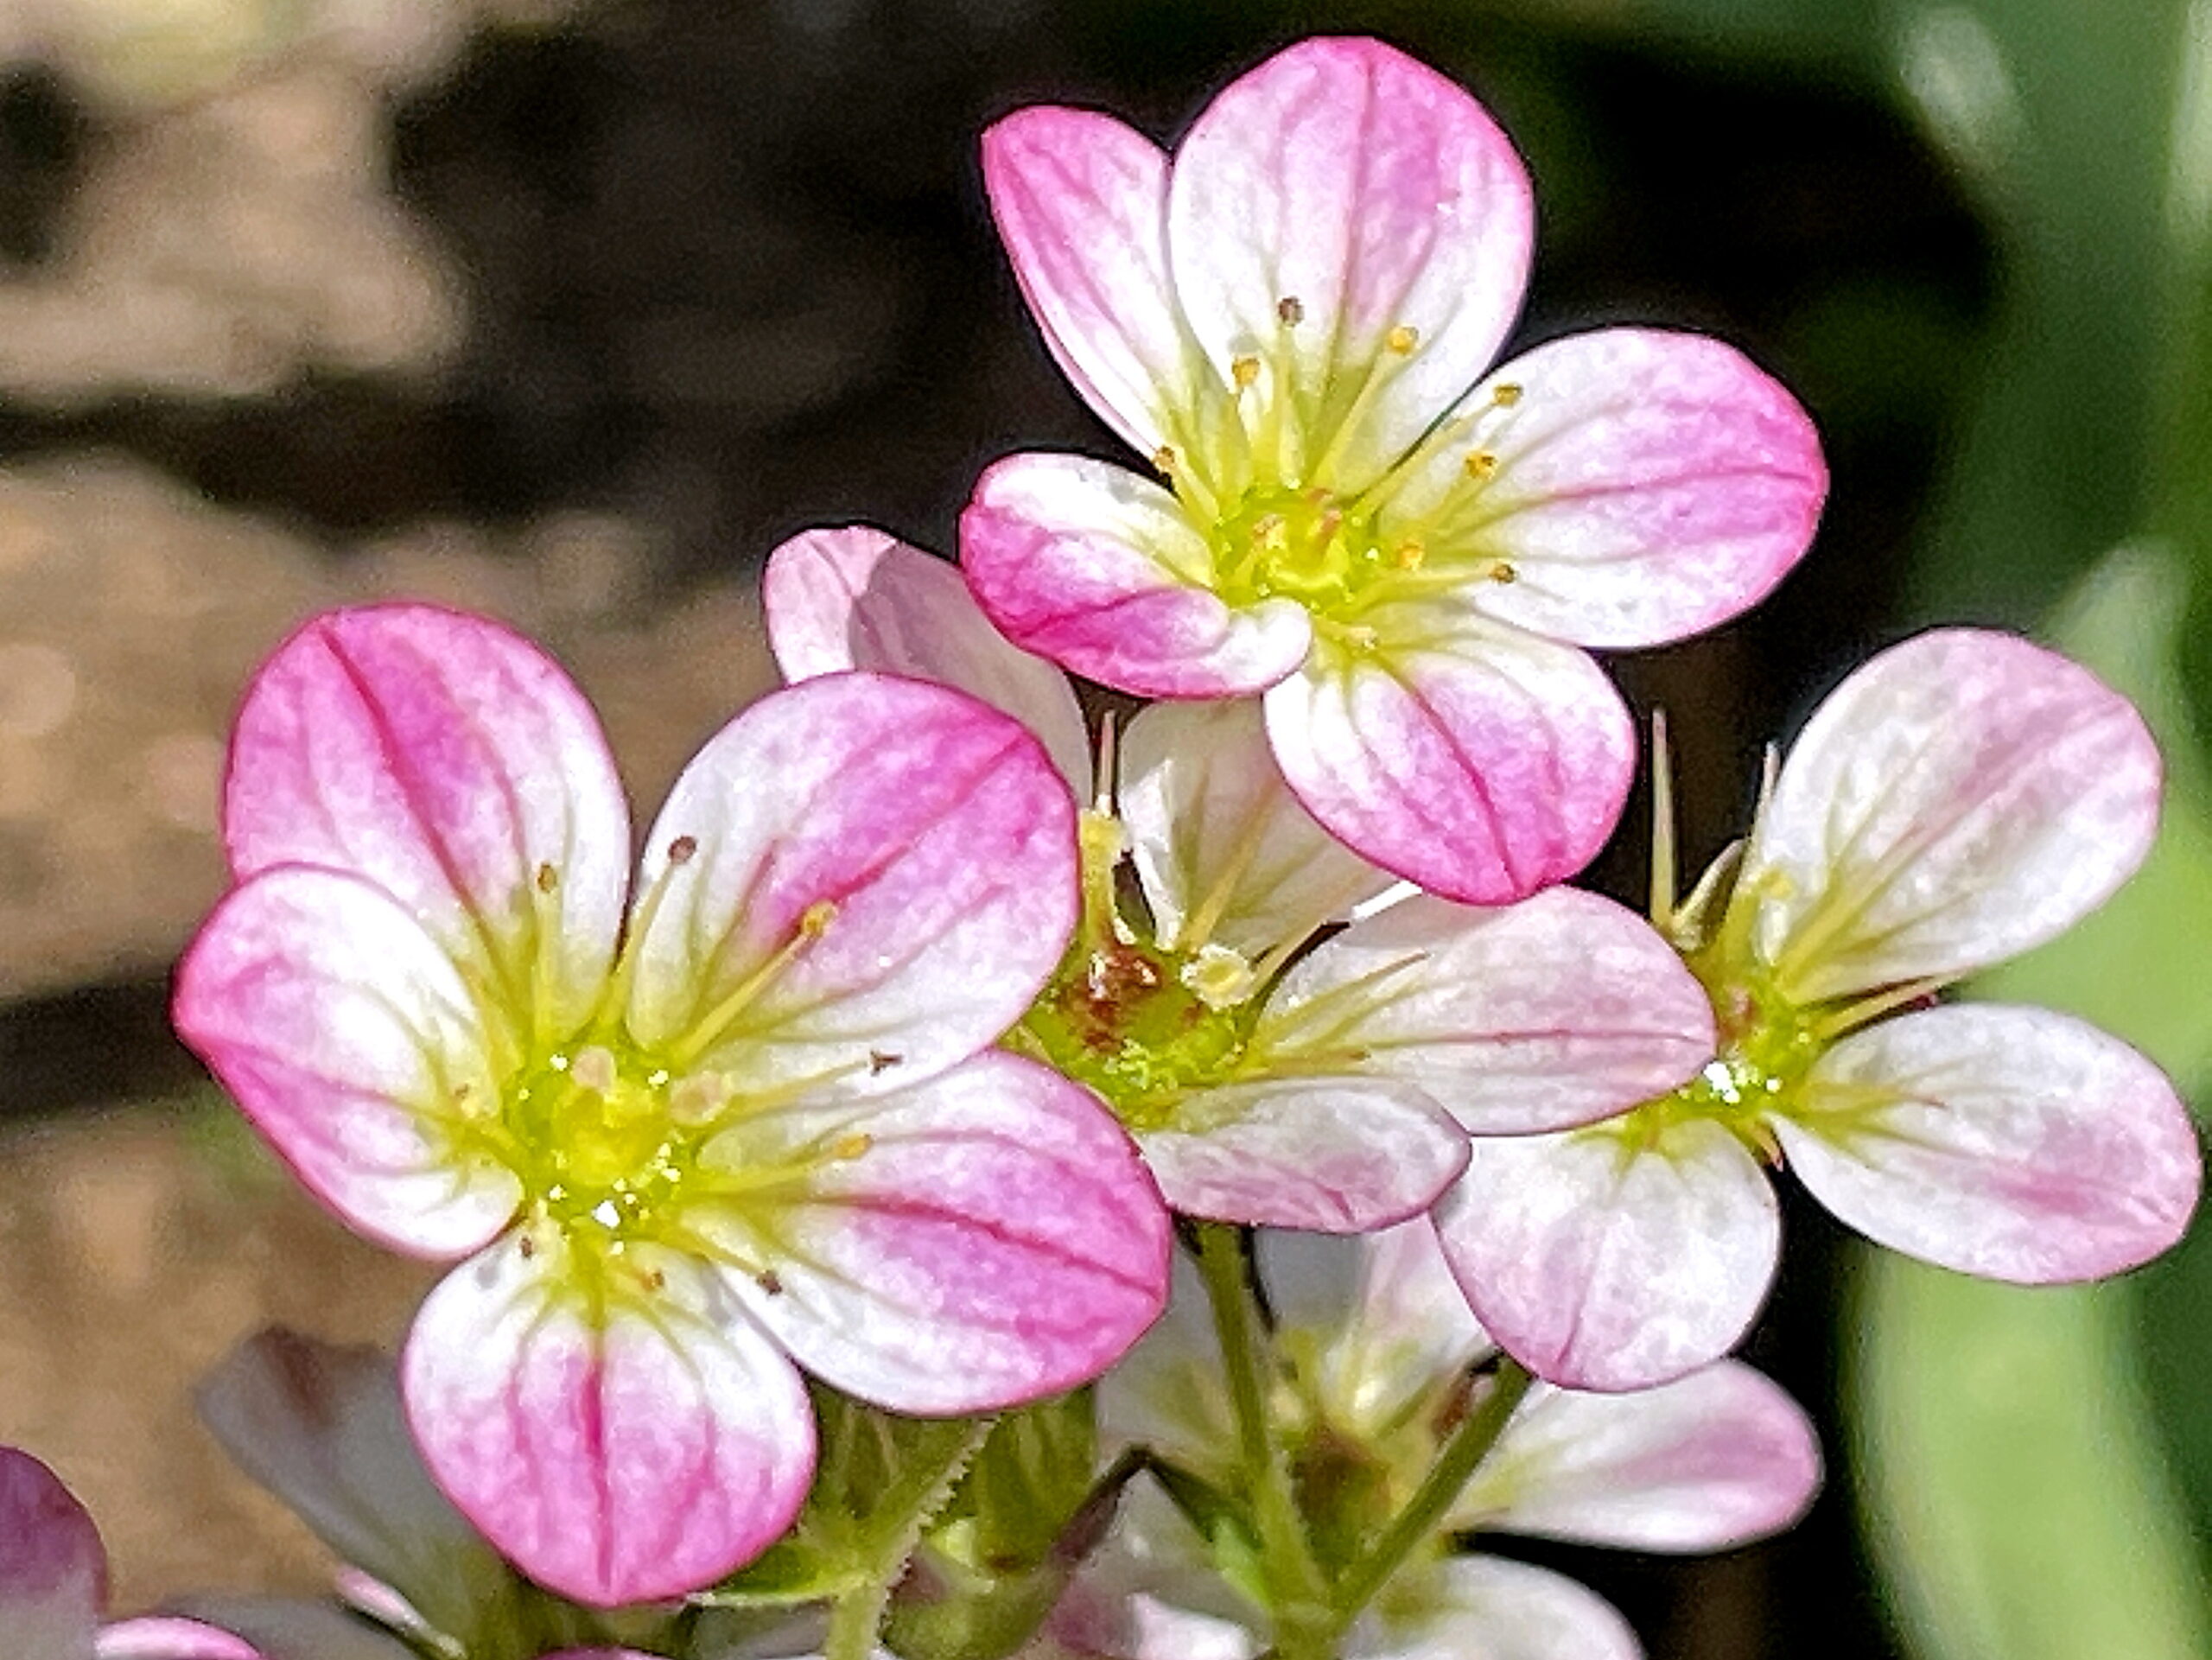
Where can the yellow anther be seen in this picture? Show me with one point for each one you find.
(815, 920)
(1165, 459)
(1506, 394)
(548, 879)
(1402, 339)
(1481, 464)
(1410, 553)
(853, 1144)
(1271, 532)
(1291, 310)
(1502, 571)
(1244, 371)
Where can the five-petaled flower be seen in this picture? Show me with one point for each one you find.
(1293, 318)
(1385, 1359)
(1267, 1077)
(750, 1113)
(1960, 798)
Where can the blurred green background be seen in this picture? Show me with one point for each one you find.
(572, 308)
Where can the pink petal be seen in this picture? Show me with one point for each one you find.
(1339, 1155)
(935, 831)
(1960, 798)
(1081, 202)
(297, 1628)
(620, 1443)
(1377, 195)
(992, 1237)
(1480, 763)
(454, 764)
(1646, 486)
(163, 1638)
(2012, 1143)
(1537, 1016)
(1469, 1607)
(1214, 830)
(321, 1427)
(1098, 570)
(1599, 1264)
(53, 1569)
(350, 1040)
(855, 598)
(1707, 1462)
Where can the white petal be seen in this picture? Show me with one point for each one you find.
(1483, 1608)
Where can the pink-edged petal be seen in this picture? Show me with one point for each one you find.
(1483, 1608)
(164, 1638)
(1377, 196)
(53, 1568)
(1383, 1311)
(856, 598)
(349, 1038)
(1557, 1011)
(1223, 847)
(1478, 761)
(1960, 798)
(1642, 485)
(295, 1628)
(453, 764)
(618, 1428)
(1707, 1462)
(980, 1240)
(860, 879)
(1613, 1258)
(1098, 570)
(2012, 1143)
(1336, 1155)
(1081, 203)
(321, 1426)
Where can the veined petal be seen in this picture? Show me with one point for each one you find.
(1707, 1462)
(1960, 798)
(1336, 1155)
(1642, 485)
(1557, 1011)
(855, 598)
(454, 764)
(2012, 1143)
(980, 1240)
(1386, 1316)
(1603, 1262)
(53, 1568)
(1359, 225)
(1098, 570)
(321, 1426)
(619, 1441)
(1481, 1605)
(160, 1637)
(1222, 846)
(1081, 203)
(349, 1038)
(859, 879)
(1478, 761)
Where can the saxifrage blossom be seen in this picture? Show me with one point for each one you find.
(1336, 1092)
(53, 1583)
(1293, 318)
(744, 1114)
(1960, 797)
(1384, 1358)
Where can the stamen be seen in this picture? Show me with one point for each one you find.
(1502, 570)
(548, 879)
(1506, 394)
(1218, 977)
(1200, 922)
(853, 1144)
(813, 922)
(1664, 873)
(1164, 460)
(681, 850)
(1402, 339)
(1849, 1018)
(594, 1069)
(614, 996)
(1291, 310)
(1410, 553)
(1244, 371)
(1099, 842)
(1481, 464)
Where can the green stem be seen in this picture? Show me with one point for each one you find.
(856, 1619)
(1424, 1513)
(1299, 1591)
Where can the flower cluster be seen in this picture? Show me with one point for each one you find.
(796, 1186)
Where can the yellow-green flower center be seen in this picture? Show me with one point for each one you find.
(595, 1137)
(1303, 545)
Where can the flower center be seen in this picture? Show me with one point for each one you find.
(1134, 1022)
(595, 1138)
(1767, 1045)
(1303, 545)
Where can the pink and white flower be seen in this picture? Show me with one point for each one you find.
(1293, 317)
(1960, 798)
(1335, 1093)
(1384, 1356)
(746, 1116)
(53, 1583)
